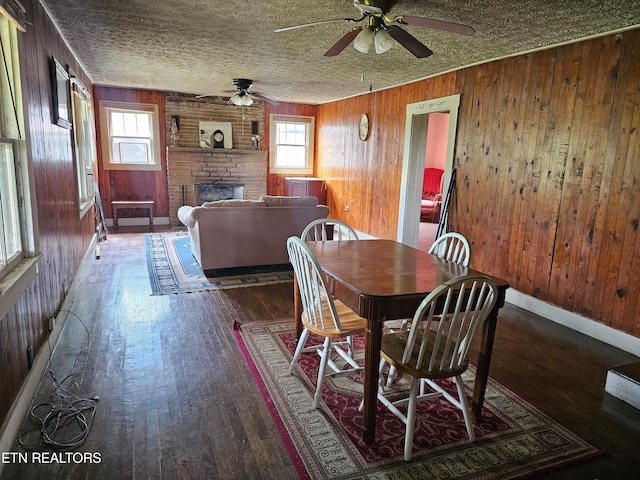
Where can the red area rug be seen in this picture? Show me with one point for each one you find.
(513, 440)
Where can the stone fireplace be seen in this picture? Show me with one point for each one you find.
(229, 173)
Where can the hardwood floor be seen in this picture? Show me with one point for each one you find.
(426, 235)
(177, 401)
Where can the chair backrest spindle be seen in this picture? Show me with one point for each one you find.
(324, 229)
(452, 247)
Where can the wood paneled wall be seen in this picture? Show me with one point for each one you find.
(132, 184)
(547, 158)
(63, 236)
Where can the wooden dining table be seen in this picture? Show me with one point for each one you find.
(384, 280)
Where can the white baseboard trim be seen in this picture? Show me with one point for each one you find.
(18, 411)
(576, 322)
(137, 221)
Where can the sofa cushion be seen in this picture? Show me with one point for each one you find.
(234, 203)
(275, 201)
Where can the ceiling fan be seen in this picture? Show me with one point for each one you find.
(243, 97)
(382, 29)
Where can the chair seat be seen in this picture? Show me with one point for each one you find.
(392, 350)
(351, 322)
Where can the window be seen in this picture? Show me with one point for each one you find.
(84, 144)
(18, 258)
(130, 136)
(11, 150)
(291, 144)
(10, 238)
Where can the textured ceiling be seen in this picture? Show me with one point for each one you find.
(199, 46)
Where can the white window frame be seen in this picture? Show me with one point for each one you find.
(154, 157)
(10, 230)
(85, 147)
(309, 123)
(19, 267)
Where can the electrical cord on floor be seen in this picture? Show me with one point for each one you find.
(66, 421)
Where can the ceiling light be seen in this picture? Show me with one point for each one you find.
(363, 40)
(241, 99)
(382, 41)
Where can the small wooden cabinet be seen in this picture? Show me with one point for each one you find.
(306, 186)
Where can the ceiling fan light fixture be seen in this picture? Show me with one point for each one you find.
(241, 99)
(363, 40)
(382, 41)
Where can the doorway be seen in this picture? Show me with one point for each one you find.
(413, 162)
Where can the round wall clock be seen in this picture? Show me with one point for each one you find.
(363, 127)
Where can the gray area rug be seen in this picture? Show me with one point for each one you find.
(173, 269)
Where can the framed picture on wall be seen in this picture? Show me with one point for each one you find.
(215, 135)
(60, 95)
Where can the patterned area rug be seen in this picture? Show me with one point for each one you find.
(173, 269)
(513, 440)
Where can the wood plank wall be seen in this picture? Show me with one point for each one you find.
(64, 237)
(547, 159)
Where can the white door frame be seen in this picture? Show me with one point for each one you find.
(415, 139)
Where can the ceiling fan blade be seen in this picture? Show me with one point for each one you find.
(335, 20)
(263, 98)
(409, 42)
(341, 44)
(438, 24)
(206, 95)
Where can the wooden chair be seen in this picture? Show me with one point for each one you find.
(452, 247)
(322, 315)
(436, 347)
(324, 229)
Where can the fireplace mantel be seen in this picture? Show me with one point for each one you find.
(188, 166)
(225, 151)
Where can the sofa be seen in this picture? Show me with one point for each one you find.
(245, 233)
